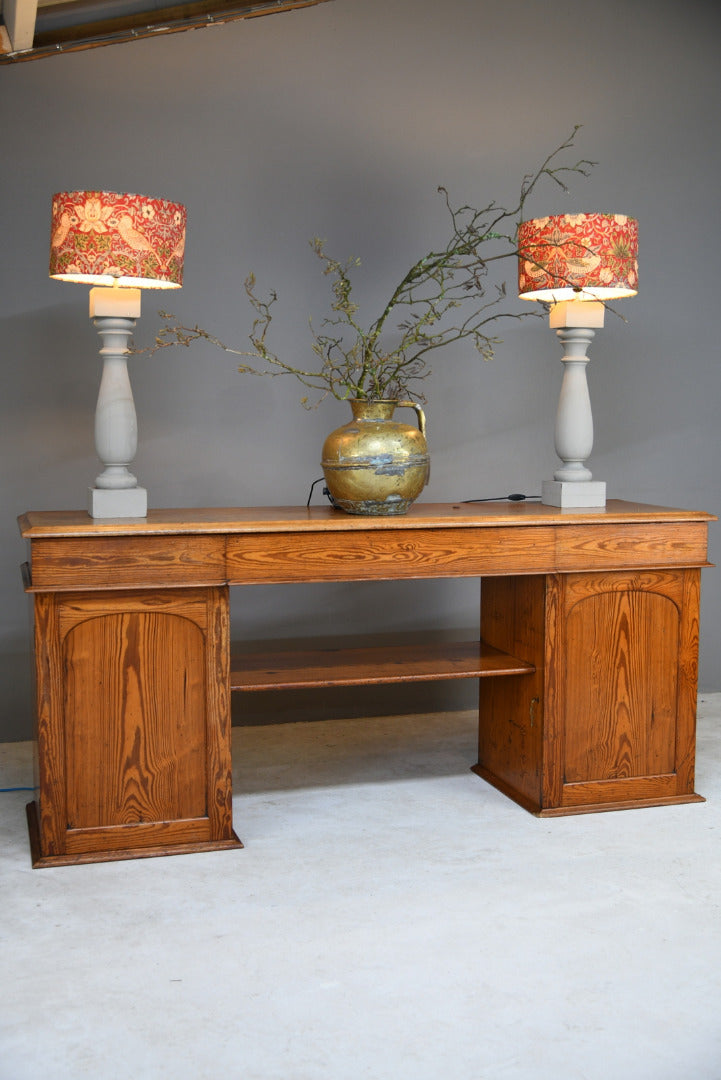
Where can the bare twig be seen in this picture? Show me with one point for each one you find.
(446, 296)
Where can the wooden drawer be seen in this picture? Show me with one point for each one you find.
(119, 562)
(627, 546)
(387, 554)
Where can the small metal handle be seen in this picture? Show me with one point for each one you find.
(419, 413)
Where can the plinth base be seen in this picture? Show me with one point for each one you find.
(580, 493)
(118, 502)
(40, 861)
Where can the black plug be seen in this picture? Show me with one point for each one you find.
(515, 497)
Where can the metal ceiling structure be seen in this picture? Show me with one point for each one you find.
(33, 29)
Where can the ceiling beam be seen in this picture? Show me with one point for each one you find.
(19, 18)
(154, 20)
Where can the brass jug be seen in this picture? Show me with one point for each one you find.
(373, 464)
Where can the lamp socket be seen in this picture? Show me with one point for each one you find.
(117, 301)
(568, 313)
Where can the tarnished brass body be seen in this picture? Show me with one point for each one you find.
(373, 464)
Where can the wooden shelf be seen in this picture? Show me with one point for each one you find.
(371, 666)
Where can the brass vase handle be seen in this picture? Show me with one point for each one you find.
(419, 413)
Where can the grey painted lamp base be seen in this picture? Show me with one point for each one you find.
(118, 503)
(579, 493)
(116, 493)
(575, 323)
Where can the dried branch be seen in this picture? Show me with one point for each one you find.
(446, 296)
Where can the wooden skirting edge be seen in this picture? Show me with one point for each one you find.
(40, 861)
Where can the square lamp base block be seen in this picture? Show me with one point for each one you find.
(118, 503)
(566, 493)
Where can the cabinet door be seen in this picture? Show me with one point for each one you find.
(627, 687)
(133, 723)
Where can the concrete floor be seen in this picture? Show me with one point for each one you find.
(391, 917)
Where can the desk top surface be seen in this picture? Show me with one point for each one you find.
(36, 524)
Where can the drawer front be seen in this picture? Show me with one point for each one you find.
(625, 546)
(112, 562)
(380, 554)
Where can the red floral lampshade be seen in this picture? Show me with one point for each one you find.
(578, 257)
(103, 238)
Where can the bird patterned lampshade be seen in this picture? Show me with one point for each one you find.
(578, 257)
(104, 238)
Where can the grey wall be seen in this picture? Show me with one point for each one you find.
(341, 120)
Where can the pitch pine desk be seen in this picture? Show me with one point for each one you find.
(587, 663)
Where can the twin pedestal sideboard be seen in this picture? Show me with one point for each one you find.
(586, 656)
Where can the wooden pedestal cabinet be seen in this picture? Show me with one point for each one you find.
(608, 719)
(133, 724)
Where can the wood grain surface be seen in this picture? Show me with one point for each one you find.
(609, 717)
(263, 519)
(108, 562)
(372, 666)
(589, 618)
(134, 722)
(134, 719)
(279, 545)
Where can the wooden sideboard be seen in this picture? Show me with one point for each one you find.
(586, 656)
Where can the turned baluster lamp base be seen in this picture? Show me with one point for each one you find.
(116, 493)
(575, 323)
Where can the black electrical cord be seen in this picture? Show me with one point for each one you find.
(325, 492)
(515, 497)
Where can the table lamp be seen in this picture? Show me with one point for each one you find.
(575, 263)
(119, 244)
